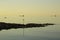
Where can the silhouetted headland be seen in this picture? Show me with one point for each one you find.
(7, 26)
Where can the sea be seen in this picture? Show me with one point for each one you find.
(51, 32)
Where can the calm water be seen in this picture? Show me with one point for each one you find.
(46, 33)
(43, 33)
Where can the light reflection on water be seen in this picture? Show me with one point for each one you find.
(43, 33)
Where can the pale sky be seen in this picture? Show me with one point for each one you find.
(30, 8)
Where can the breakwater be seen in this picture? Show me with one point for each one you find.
(7, 26)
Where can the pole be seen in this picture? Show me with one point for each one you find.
(5, 18)
(23, 24)
(23, 28)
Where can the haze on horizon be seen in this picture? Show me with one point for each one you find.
(32, 9)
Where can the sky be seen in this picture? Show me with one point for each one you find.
(32, 9)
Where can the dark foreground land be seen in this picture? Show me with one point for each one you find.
(7, 26)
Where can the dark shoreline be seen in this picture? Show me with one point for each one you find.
(7, 26)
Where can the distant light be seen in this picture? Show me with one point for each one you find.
(54, 15)
(21, 15)
(5, 17)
